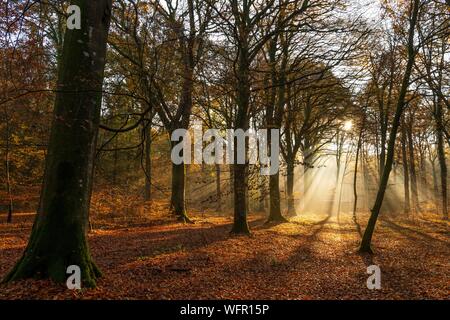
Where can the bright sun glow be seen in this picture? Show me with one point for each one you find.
(348, 125)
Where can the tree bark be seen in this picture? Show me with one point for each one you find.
(441, 159)
(7, 170)
(412, 165)
(262, 193)
(231, 195)
(355, 174)
(218, 188)
(435, 186)
(274, 190)
(240, 225)
(148, 163)
(274, 119)
(178, 200)
(383, 133)
(407, 203)
(58, 238)
(290, 189)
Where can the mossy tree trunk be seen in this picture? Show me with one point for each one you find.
(58, 238)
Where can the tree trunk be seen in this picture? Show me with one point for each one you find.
(262, 193)
(407, 203)
(177, 200)
(367, 237)
(290, 189)
(412, 166)
(115, 158)
(148, 163)
(273, 120)
(435, 186)
(7, 169)
(274, 193)
(274, 190)
(218, 188)
(231, 169)
(58, 238)
(355, 174)
(240, 225)
(441, 159)
(382, 159)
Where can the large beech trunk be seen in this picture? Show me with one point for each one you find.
(58, 238)
(178, 198)
(240, 225)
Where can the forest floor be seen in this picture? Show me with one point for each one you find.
(314, 256)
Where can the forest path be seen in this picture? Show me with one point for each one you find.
(314, 256)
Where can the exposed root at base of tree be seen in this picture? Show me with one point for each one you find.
(277, 219)
(185, 219)
(47, 268)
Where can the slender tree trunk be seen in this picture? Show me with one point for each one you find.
(231, 169)
(290, 188)
(262, 193)
(7, 170)
(412, 166)
(423, 172)
(115, 158)
(435, 186)
(407, 205)
(367, 237)
(355, 174)
(148, 163)
(58, 238)
(339, 143)
(218, 188)
(441, 159)
(383, 146)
